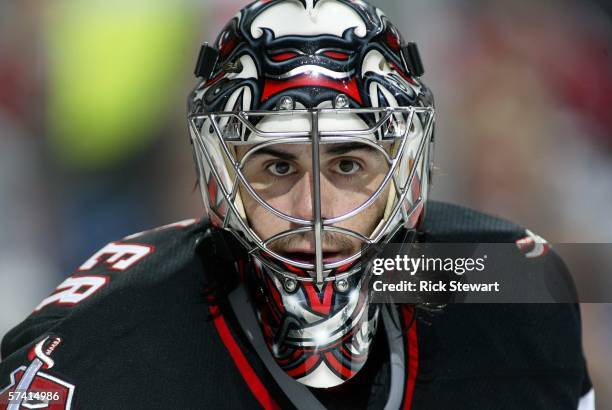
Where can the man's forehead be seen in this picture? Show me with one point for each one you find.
(293, 152)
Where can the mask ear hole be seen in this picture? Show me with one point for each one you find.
(382, 65)
(233, 67)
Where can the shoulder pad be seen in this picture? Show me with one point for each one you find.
(445, 222)
(120, 273)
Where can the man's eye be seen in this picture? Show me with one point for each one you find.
(280, 168)
(347, 167)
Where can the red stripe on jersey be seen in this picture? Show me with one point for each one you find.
(412, 355)
(348, 86)
(248, 374)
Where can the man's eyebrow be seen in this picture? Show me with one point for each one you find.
(287, 156)
(341, 149)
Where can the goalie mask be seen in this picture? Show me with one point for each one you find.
(312, 134)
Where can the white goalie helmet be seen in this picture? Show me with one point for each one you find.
(291, 88)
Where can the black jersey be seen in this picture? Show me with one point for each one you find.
(139, 325)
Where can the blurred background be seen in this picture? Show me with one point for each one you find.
(94, 145)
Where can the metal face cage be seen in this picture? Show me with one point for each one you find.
(407, 130)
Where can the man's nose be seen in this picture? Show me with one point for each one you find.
(302, 198)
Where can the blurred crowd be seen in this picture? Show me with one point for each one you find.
(94, 144)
